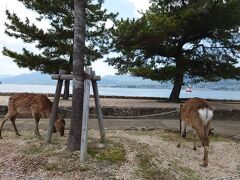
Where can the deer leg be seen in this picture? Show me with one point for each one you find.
(205, 142)
(205, 158)
(2, 123)
(37, 118)
(54, 129)
(182, 132)
(36, 126)
(194, 140)
(12, 119)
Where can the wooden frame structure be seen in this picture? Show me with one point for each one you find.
(89, 77)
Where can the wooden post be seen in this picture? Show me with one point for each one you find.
(98, 109)
(86, 99)
(55, 106)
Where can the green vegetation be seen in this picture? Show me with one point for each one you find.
(58, 159)
(173, 136)
(113, 152)
(187, 173)
(238, 168)
(51, 167)
(56, 42)
(146, 169)
(218, 138)
(34, 149)
(1, 165)
(54, 159)
(180, 41)
(149, 170)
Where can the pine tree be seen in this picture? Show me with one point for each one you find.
(56, 43)
(75, 130)
(180, 39)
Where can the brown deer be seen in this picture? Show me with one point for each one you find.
(197, 113)
(37, 105)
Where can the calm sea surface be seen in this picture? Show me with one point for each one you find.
(210, 94)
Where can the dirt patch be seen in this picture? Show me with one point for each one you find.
(127, 155)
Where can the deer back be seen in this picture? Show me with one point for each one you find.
(196, 113)
(28, 103)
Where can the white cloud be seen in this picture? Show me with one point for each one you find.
(101, 68)
(7, 66)
(140, 5)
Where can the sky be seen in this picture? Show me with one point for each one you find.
(125, 8)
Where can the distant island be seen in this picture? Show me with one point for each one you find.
(119, 81)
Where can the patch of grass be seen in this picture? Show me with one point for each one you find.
(33, 149)
(40, 148)
(238, 168)
(185, 172)
(188, 174)
(62, 159)
(51, 167)
(169, 136)
(65, 161)
(148, 169)
(1, 165)
(173, 136)
(113, 152)
(217, 138)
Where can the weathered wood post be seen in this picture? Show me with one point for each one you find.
(98, 109)
(86, 99)
(88, 77)
(55, 106)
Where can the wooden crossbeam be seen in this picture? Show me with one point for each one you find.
(70, 77)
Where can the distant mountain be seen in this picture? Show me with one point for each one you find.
(228, 84)
(5, 76)
(32, 78)
(137, 82)
(130, 81)
(119, 81)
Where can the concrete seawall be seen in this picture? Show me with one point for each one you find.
(121, 107)
(137, 112)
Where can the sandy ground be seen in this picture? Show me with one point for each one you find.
(163, 159)
(118, 102)
(223, 161)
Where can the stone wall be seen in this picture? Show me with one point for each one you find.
(120, 112)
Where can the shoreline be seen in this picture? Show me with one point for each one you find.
(129, 97)
(127, 107)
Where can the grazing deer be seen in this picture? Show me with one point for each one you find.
(37, 105)
(197, 113)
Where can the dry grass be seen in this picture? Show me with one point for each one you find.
(127, 155)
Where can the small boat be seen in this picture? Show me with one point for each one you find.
(189, 89)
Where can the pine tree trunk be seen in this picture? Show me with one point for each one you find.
(67, 82)
(74, 139)
(178, 81)
(66, 89)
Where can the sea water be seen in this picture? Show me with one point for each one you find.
(136, 92)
